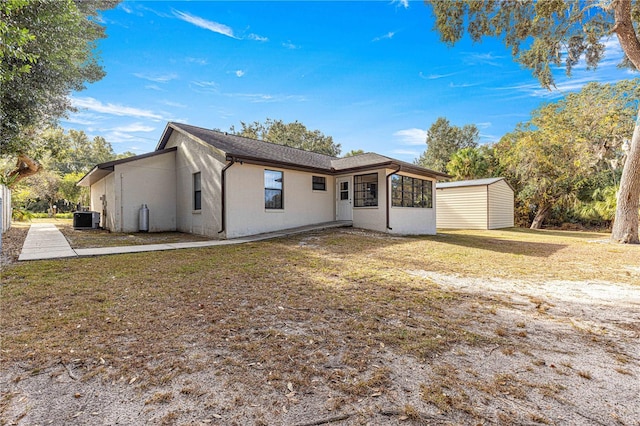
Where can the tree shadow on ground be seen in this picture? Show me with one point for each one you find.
(583, 235)
(500, 245)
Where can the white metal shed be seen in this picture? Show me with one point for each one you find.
(475, 204)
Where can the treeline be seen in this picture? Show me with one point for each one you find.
(564, 163)
(64, 158)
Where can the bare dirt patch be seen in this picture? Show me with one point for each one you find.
(91, 238)
(340, 327)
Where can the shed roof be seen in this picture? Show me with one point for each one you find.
(474, 182)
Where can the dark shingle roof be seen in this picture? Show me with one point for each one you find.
(241, 148)
(238, 146)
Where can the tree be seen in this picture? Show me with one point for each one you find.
(48, 50)
(46, 186)
(548, 166)
(542, 34)
(468, 163)
(603, 205)
(294, 134)
(565, 147)
(443, 140)
(71, 152)
(354, 152)
(70, 191)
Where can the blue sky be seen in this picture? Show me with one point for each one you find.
(371, 74)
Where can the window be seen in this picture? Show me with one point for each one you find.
(344, 190)
(273, 189)
(365, 190)
(197, 192)
(411, 192)
(319, 183)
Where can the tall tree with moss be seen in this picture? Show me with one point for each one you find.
(546, 33)
(566, 148)
(48, 50)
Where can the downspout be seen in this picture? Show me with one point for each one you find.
(223, 195)
(388, 191)
(121, 204)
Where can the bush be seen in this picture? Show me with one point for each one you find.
(22, 215)
(57, 216)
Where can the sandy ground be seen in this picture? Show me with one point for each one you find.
(569, 354)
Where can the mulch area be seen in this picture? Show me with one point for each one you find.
(12, 242)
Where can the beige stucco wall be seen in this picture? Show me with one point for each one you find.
(107, 214)
(150, 181)
(501, 205)
(412, 220)
(463, 208)
(194, 156)
(374, 218)
(246, 214)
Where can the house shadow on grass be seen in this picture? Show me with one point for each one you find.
(500, 244)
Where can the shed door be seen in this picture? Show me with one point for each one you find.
(344, 193)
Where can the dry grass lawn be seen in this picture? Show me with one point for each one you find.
(342, 327)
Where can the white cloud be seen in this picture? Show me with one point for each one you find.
(113, 109)
(157, 78)
(462, 85)
(78, 119)
(199, 61)
(402, 3)
(206, 24)
(173, 104)
(257, 37)
(154, 87)
(412, 136)
(387, 36)
(406, 152)
(118, 137)
(474, 58)
(239, 73)
(264, 98)
(206, 86)
(290, 45)
(436, 76)
(488, 138)
(134, 127)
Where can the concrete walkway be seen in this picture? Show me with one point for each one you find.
(45, 241)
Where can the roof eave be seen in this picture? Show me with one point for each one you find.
(166, 134)
(273, 163)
